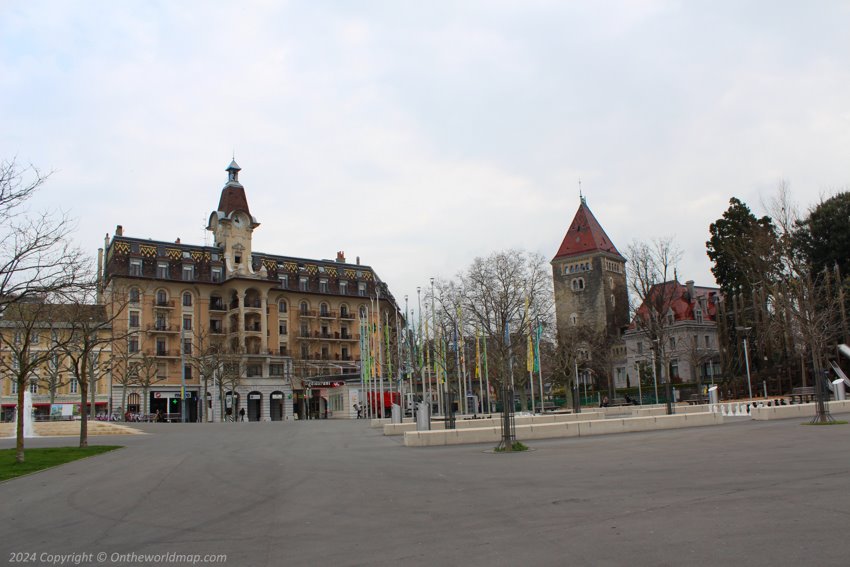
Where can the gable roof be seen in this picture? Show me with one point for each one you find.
(585, 235)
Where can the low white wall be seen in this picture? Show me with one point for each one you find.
(401, 428)
(560, 429)
(796, 410)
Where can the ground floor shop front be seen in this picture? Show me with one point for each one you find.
(325, 399)
(251, 401)
(62, 407)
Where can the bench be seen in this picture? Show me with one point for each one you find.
(805, 394)
(618, 402)
(697, 400)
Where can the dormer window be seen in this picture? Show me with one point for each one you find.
(698, 315)
(237, 259)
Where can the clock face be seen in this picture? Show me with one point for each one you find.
(237, 220)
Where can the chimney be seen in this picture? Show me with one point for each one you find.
(119, 230)
(358, 260)
(177, 241)
(340, 257)
(690, 284)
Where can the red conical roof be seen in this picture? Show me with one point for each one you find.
(585, 235)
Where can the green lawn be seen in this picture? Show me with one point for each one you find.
(38, 459)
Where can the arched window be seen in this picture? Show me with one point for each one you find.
(187, 299)
(281, 306)
(573, 319)
(362, 311)
(134, 295)
(323, 309)
(578, 284)
(161, 297)
(304, 307)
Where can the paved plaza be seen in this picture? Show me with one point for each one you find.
(340, 493)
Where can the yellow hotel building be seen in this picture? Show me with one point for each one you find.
(290, 326)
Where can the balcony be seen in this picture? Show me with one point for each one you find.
(163, 328)
(327, 314)
(217, 305)
(253, 328)
(306, 313)
(166, 353)
(346, 315)
(167, 304)
(216, 330)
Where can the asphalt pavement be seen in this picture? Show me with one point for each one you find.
(339, 493)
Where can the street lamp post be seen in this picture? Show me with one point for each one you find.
(746, 330)
(654, 375)
(421, 345)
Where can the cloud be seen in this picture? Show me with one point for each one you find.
(421, 136)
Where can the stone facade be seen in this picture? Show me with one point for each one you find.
(589, 277)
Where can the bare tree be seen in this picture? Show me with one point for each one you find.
(230, 374)
(805, 297)
(206, 358)
(36, 255)
(492, 295)
(123, 370)
(569, 358)
(22, 327)
(54, 376)
(90, 325)
(146, 373)
(651, 277)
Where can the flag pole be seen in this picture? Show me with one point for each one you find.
(478, 373)
(436, 373)
(539, 363)
(487, 379)
(462, 374)
(380, 352)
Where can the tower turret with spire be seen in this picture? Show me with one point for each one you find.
(233, 225)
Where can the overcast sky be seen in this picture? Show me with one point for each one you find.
(419, 135)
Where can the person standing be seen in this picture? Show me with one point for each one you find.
(242, 414)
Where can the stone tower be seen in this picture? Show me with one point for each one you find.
(589, 277)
